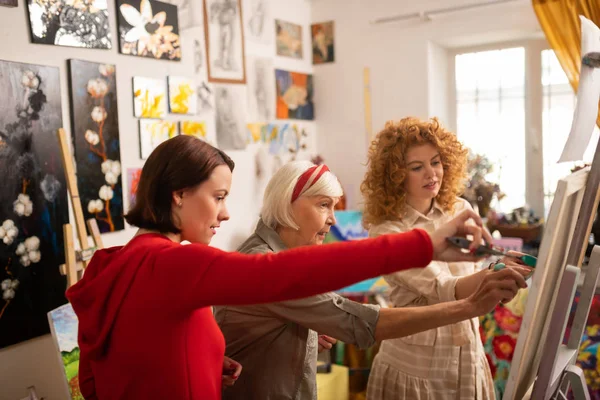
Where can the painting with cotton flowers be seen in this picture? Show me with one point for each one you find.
(33, 200)
(149, 28)
(95, 133)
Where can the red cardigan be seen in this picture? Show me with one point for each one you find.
(146, 330)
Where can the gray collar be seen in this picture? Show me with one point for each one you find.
(270, 237)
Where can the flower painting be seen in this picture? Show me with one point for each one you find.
(193, 128)
(149, 28)
(95, 132)
(182, 95)
(153, 133)
(294, 95)
(149, 98)
(33, 200)
(74, 23)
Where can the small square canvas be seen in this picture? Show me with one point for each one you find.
(289, 39)
(294, 95)
(133, 179)
(193, 128)
(149, 28)
(153, 133)
(69, 23)
(322, 42)
(149, 98)
(182, 95)
(63, 326)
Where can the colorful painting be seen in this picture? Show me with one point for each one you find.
(96, 142)
(149, 98)
(153, 133)
(149, 28)
(182, 95)
(289, 39)
(70, 23)
(224, 36)
(63, 325)
(193, 128)
(8, 3)
(33, 200)
(294, 95)
(261, 93)
(133, 179)
(230, 101)
(322, 42)
(257, 16)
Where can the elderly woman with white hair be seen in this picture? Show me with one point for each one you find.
(277, 343)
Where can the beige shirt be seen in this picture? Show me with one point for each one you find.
(277, 343)
(444, 363)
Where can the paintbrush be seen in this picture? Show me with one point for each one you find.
(463, 243)
(591, 59)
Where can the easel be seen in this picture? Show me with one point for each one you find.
(76, 261)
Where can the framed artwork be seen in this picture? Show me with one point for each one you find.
(224, 37)
(149, 98)
(182, 95)
(289, 39)
(9, 3)
(294, 95)
(133, 180)
(69, 23)
(149, 28)
(257, 21)
(96, 142)
(33, 200)
(63, 326)
(230, 101)
(153, 133)
(322, 42)
(261, 93)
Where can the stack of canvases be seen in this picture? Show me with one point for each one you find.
(242, 97)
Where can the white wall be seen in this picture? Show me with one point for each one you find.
(36, 362)
(406, 60)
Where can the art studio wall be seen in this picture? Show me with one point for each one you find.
(408, 68)
(35, 362)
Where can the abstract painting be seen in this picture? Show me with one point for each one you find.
(224, 36)
(182, 95)
(70, 23)
(96, 142)
(294, 95)
(193, 128)
(261, 93)
(149, 28)
(289, 39)
(133, 179)
(149, 98)
(8, 3)
(257, 21)
(153, 133)
(230, 101)
(64, 325)
(33, 200)
(322, 42)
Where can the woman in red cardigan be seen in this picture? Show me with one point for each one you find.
(146, 330)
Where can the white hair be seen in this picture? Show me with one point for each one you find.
(277, 201)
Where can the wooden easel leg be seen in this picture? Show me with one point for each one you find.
(70, 258)
(92, 225)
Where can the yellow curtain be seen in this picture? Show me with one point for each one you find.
(560, 21)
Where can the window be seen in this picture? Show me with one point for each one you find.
(490, 110)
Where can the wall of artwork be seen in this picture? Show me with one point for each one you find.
(122, 81)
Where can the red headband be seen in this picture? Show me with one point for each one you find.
(301, 185)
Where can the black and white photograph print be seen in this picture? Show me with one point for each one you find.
(70, 23)
(224, 36)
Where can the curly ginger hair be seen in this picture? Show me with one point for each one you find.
(383, 186)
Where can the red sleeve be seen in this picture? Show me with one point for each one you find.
(198, 275)
(87, 385)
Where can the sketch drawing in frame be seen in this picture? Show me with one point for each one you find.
(224, 37)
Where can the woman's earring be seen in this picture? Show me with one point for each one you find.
(180, 203)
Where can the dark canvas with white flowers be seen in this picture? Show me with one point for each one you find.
(70, 23)
(33, 200)
(149, 28)
(95, 132)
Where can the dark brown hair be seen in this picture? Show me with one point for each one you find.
(178, 164)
